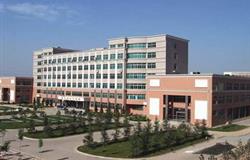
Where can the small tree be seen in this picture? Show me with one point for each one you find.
(108, 116)
(45, 120)
(157, 136)
(34, 105)
(40, 144)
(20, 137)
(165, 124)
(105, 137)
(5, 147)
(31, 126)
(88, 138)
(127, 128)
(145, 137)
(135, 144)
(117, 123)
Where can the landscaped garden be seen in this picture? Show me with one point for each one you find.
(144, 141)
(229, 128)
(81, 123)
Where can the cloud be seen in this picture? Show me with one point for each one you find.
(41, 11)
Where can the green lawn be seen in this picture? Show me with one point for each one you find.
(229, 128)
(123, 149)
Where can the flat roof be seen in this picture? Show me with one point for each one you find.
(156, 35)
(198, 75)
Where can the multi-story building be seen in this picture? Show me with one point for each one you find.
(113, 76)
(16, 89)
(195, 97)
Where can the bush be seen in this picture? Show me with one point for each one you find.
(138, 118)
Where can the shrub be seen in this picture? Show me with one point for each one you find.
(138, 118)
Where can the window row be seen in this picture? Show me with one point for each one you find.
(82, 59)
(83, 76)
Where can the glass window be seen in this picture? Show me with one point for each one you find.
(152, 45)
(138, 55)
(105, 76)
(98, 76)
(104, 85)
(112, 85)
(151, 55)
(98, 66)
(92, 76)
(112, 46)
(136, 65)
(112, 56)
(85, 76)
(98, 85)
(120, 56)
(86, 58)
(112, 76)
(136, 86)
(85, 85)
(119, 85)
(112, 66)
(92, 58)
(80, 67)
(120, 45)
(119, 66)
(119, 76)
(79, 76)
(86, 67)
(136, 75)
(137, 45)
(92, 67)
(74, 68)
(92, 85)
(105, 66)
(135, 96)
(151, 65)
(99, 57)
(106, 57)
(79, 85)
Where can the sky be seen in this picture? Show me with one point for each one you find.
(218, 30)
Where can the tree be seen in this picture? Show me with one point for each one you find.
(105, 137)
(145, 137)
(127, 128)
(45, 120)
(108, 116)
(165, 124)
(5, 147)
(34, 105)
(157, 135)
(117, 123)
(88, 138)
(20, 137)
(135, 144)
(31, 126)
(40, 144)
(48, 130)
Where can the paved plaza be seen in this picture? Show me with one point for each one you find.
(65, 148)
